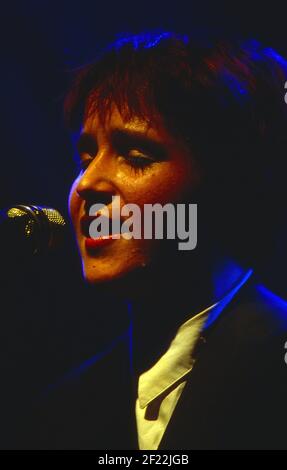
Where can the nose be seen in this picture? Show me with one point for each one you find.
(96, 185)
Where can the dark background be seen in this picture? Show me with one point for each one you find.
(50, 321)
(42, 41)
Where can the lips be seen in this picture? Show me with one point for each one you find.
(93, 244)
(106, 230)
(103, 239)
(86, 223)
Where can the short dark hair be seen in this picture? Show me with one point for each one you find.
(225, 99)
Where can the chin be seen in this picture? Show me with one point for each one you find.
(97, 275)
(108, 271)
(125, 269)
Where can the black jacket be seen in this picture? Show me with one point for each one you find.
(235, 397)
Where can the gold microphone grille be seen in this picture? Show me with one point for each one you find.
(54, 216)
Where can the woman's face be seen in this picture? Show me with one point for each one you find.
(141, 163)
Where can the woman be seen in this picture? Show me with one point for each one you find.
(166, 119)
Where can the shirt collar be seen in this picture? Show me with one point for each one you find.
(178, 361)
(175, 363)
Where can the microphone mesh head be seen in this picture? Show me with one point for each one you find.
(15, 212)
(32, 229)
(54, 216)
(52, 225)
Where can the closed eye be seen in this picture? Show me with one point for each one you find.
(86, 150)
(138, 159)
(82, 161)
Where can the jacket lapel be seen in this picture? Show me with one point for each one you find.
(214, 387)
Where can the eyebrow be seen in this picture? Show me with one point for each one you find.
(127, 139)
(123, 139)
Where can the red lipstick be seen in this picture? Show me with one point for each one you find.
(94, 243)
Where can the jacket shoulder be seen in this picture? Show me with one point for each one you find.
(258, 314)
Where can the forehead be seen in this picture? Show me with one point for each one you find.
(151, 128)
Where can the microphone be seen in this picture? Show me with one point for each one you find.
(31, 230)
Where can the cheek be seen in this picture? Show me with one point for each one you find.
(162, 184)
